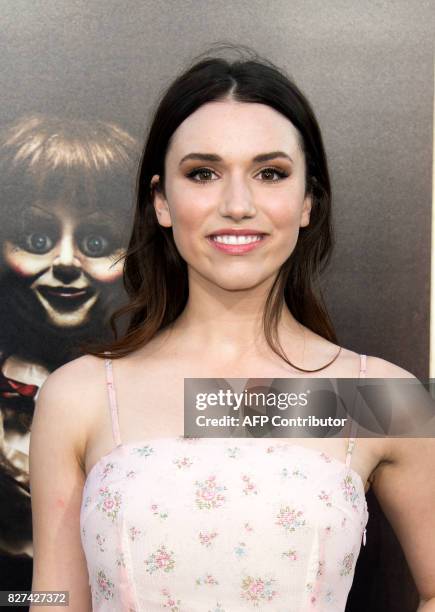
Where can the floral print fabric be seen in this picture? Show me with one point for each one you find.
(221, 525)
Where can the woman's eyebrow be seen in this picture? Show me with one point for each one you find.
(212, 157)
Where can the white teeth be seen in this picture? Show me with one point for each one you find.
(231, 239)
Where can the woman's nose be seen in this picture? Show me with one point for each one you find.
(237, 199)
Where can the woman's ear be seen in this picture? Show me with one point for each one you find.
(159, 202)
(306, 210)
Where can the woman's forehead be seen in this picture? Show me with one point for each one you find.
(231, 128)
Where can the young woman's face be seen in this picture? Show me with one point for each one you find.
(234, 166)
(64, 256)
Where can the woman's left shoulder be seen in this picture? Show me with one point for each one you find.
(376, 367)
(405, 449)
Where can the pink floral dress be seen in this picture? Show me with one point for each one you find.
(220, 525)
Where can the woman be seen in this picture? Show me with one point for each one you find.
(231, 229)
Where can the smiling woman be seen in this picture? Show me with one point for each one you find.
(231, 231)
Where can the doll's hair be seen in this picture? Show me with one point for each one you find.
(44, 157)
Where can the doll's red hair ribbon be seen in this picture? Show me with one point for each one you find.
(11, 388)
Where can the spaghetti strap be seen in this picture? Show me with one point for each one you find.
(354, 424)
(112, 401)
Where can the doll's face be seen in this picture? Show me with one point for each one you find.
(234, 165)
(67, 256)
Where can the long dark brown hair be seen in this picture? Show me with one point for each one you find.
(155, 275)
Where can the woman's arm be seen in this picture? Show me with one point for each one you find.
(427, 606)
(405, 488)
(56, 479)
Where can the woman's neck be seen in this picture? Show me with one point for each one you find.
(229, 323)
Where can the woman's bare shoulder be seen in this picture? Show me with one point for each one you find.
(399, 449)
(381, 368)
(78, 382)
(69, 400)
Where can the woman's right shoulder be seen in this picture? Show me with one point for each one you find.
(77, 382)
(70, 400)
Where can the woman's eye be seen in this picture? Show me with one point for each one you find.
(272, 175)
(205, 175)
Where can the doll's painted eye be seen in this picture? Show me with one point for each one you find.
(95, 245)
(97, 239)
(38, 243)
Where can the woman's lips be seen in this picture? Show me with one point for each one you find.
(237, 249)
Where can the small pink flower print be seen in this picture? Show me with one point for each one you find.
(290, 518)
(183, 462)
(240, 549)
(105, 586)
(100, 542)
(270, 449)
(325, 497)
(87, 501)
(326, 457)
(209, 494)
(161, 559)
(170, 603)
(109, 502)
(249, 487)
(248, 527)
(207, 538)
(120, 560)
(255, 590)
(107, 469)
(320, 568)
(349, 491)
(234, 452)
(155, 509)
(347, 564)
(206, 579)
(217, 608)
(290, 554)
(143, 451)
(328, 529)
(296, 472)
(343, 521)
(329, 596)
(134, 533)
(131, 474)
